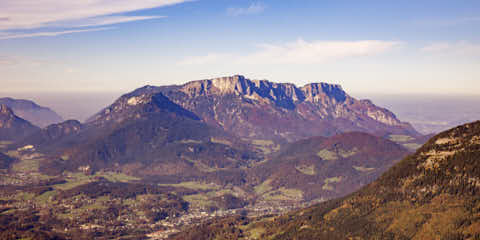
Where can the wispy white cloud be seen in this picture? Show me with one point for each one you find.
(103, 20)
(460, 48)
(28, 14)
(33, 14)
(299, 52)
(50, 33)
(254, 8)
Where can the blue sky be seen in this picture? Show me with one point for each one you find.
(366, 46)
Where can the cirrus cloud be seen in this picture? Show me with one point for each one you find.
(25, 16)
(103, 20)
(28, 14)
(49, 34)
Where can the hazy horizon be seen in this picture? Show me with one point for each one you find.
(430, 47)
(428, 113)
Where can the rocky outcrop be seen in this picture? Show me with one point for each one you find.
(260, 109)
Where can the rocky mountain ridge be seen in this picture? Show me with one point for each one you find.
(260, 109)
(287, 95)
(265, 110)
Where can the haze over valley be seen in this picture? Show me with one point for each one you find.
(428, 113)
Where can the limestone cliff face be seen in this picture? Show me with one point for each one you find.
(260, 109)
(240, 86)
(287, 95)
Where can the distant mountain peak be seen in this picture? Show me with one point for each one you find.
(32, 112)
(13, 127)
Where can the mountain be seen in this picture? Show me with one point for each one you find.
(13, 127)
(260, 110)
(432, 194)
(152, 162)
(146, 135)
(325, 168)
(32, 112)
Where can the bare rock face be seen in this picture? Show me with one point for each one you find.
(13, 127)
(260, 109)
